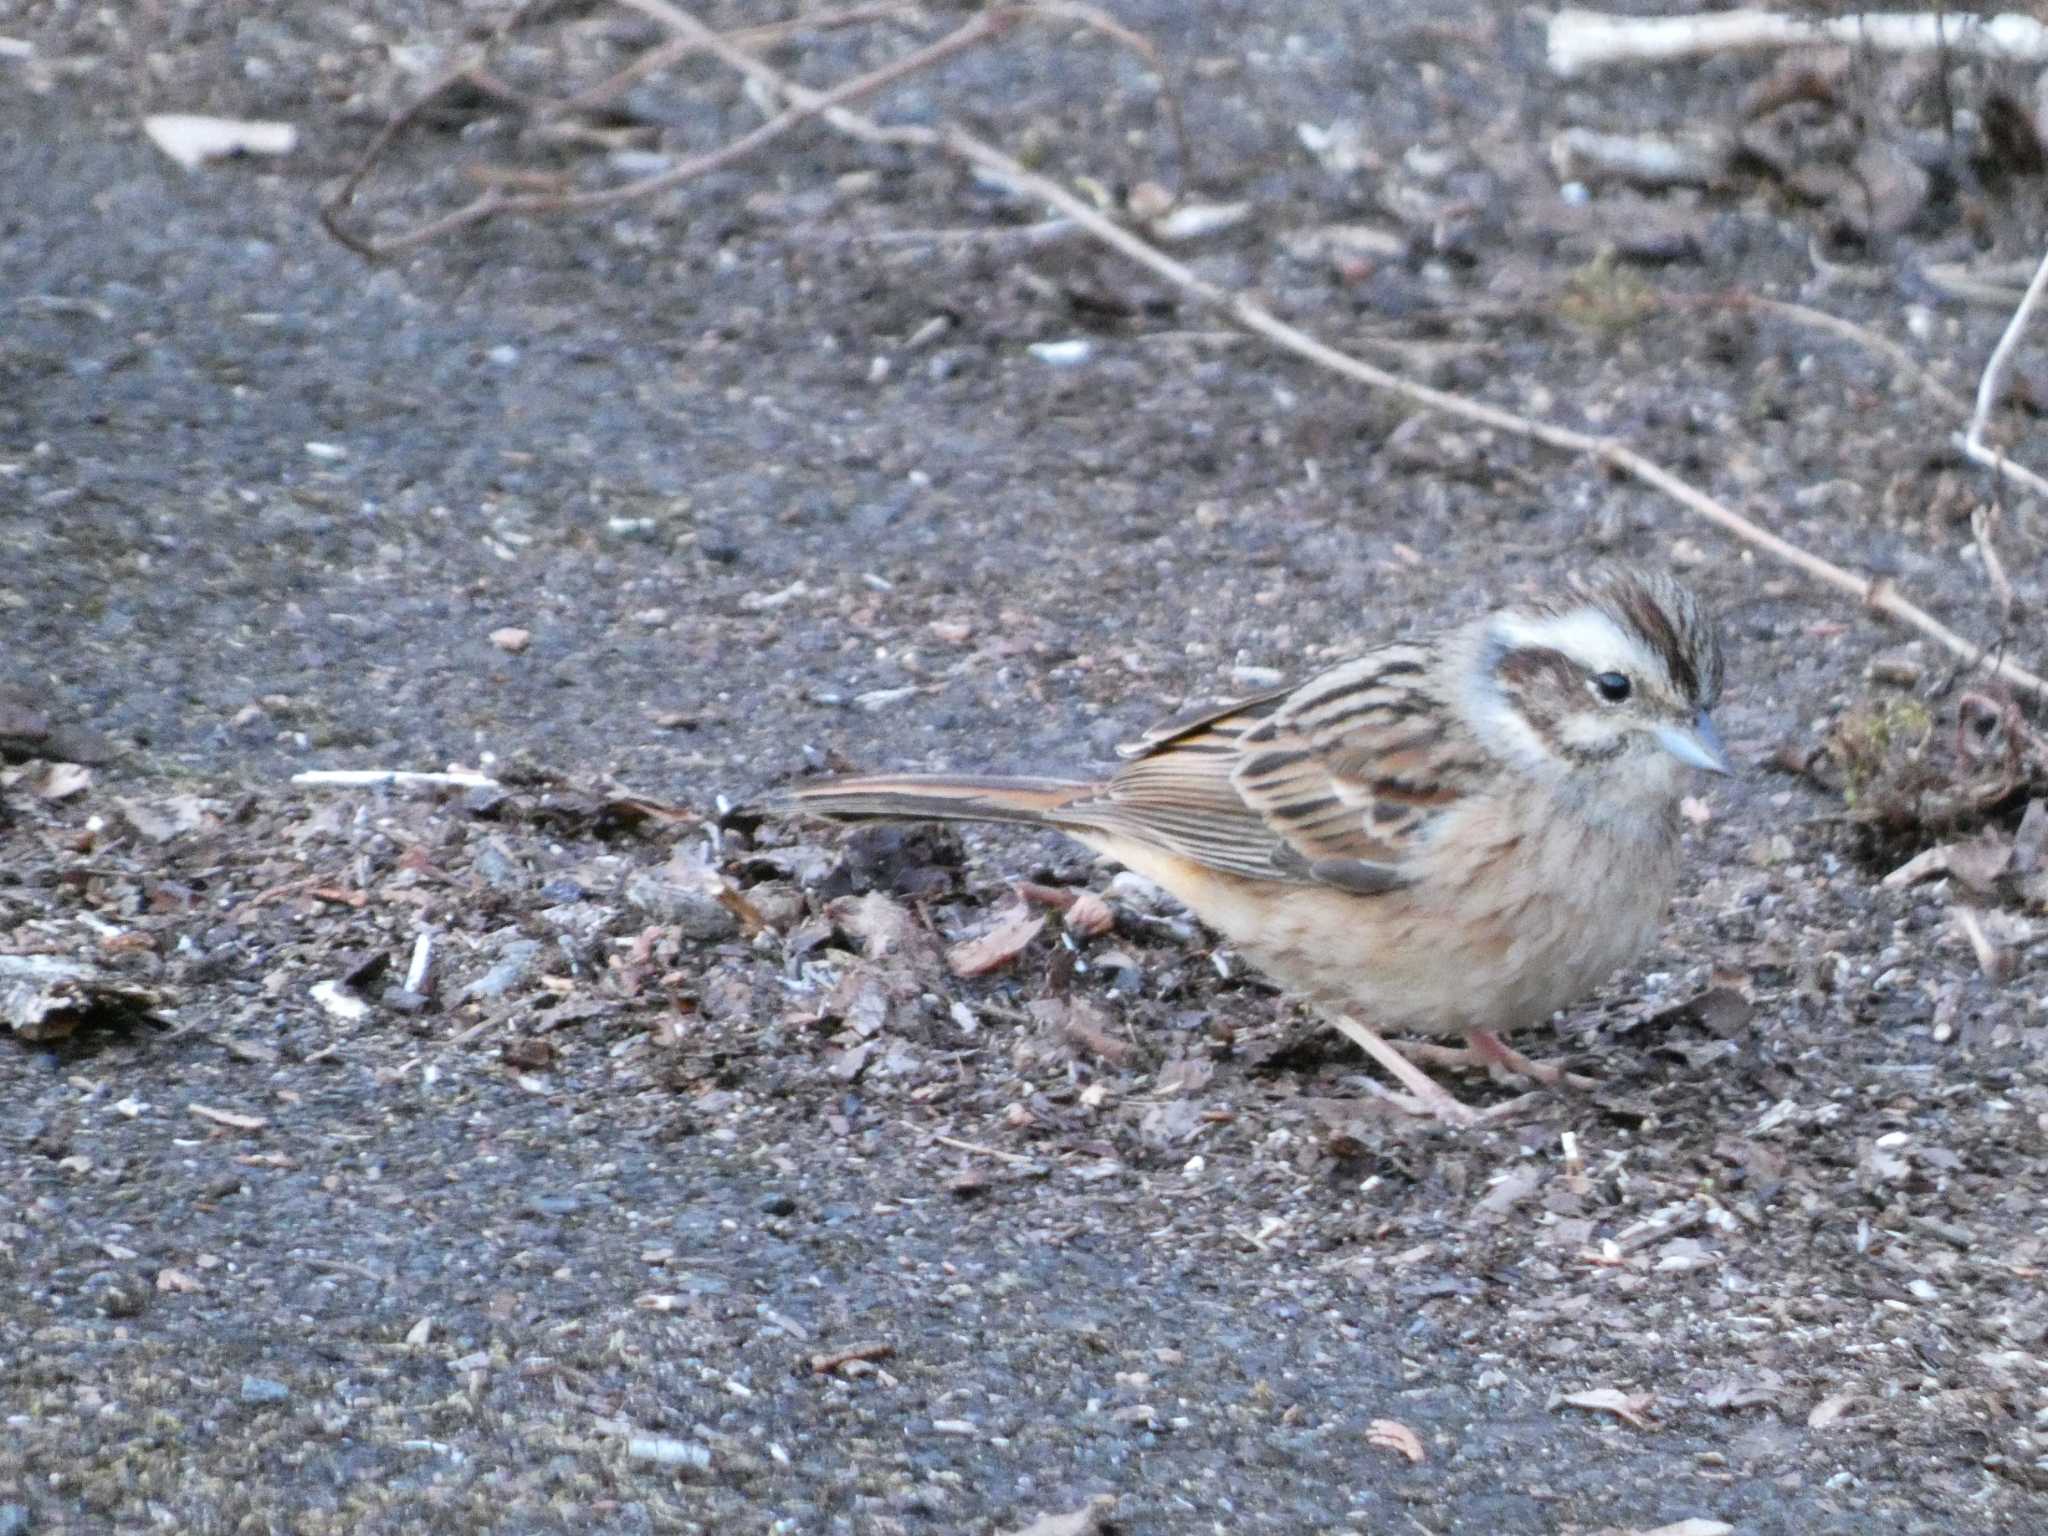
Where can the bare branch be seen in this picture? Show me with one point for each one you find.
(1878, 593)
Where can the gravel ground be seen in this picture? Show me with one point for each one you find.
(695, 1191)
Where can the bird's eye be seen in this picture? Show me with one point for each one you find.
(1611, 686)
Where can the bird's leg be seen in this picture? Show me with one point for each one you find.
(1485, 1048)
(1488, 1050)
(1424, 1095)
(1427, 1053)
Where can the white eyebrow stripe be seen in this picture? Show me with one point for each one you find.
(1588, 636)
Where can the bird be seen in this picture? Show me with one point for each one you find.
(1459, 833)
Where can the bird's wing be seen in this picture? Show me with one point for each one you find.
(1334, 782)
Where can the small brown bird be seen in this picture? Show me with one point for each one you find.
(1459, 834)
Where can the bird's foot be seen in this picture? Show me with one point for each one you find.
(1425, 1097)
(1484, 1049)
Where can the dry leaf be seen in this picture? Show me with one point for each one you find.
(882, 925)
(164, 819)
(848, 1064)
(1629, 1407)
(1184, 1074)
(1090, 916)
(1829, 1410)
(1009, 938)
(1393, 1435)
(1511, 1188)
(63, 780)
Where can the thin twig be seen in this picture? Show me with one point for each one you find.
(1863, 336)
(1585, 40)
(1015, 1159)
(1983, 525)
(868, 130)
(493, 202)
(1992, 385)
(672, 53)
(1996, 371)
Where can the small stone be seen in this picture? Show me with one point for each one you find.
(1901, 668)
(511, 968)
(1062, 354)
(114, 1295)
(511, 639)
(262, 1389)
(688, 896)
(14, 1520)
(776, 1205)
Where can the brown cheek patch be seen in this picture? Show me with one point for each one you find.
(1542, 681)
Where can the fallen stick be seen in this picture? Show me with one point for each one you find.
(494, 201)
(1992, 385)
(379, 778)
(1585, 40)
(1863, 336)
(1877, 593)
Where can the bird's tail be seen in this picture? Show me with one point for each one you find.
(939, 797)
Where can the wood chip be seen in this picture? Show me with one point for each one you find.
(874, 1349)
(882, 925)
(340, 1002)
(1009, 938)
(1090, 916)
(1393, 1435)
(1832, 1409)
(1629, 1407)
(192, 140)
(46, 997)
(61, 781)
(227, 1117)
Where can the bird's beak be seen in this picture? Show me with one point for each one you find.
(1697, 746)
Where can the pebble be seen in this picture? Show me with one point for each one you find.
(1062, 354)
(115, 1295)
(694, 908)
(14, 1520)
(511, 968)
(262, 1389)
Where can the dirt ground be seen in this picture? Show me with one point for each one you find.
(692, 1190)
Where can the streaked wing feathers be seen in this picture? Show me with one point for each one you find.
(1229, 717)
(1331, 783)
